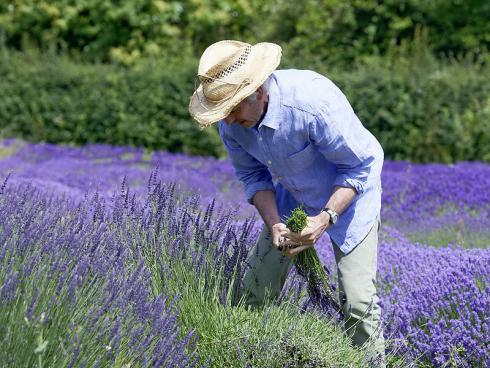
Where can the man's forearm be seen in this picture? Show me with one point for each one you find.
(265, 202)
(340, 199)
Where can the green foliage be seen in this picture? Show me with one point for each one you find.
(122, 30)
(270, 336)
(422, 109)
(52, 99)
(100, 29)
(330, 30)
(338, 31)
(420, 106)
(297, 221)
(308, 263)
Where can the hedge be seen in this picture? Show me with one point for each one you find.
(334, 30)
(421, 109)
(52, 99)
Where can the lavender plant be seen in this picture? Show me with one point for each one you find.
(448, 203)
(448, 207)
(310, 267)
(198, 256)
(435, 301)
(71, 294)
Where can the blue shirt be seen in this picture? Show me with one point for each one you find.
(310, 141)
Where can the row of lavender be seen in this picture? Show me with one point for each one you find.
(90, 285)
(440, 204)
(435, 301)
(75, 293)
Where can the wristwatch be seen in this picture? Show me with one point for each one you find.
(333, 215)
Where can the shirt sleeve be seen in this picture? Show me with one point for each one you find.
(342, 139)
(254, 175)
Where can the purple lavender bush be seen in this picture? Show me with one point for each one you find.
(436, 301)
(77, 172)
(200, 255)
(73, 294)
(137, 283)
(438, 204)
(432, 203)
(434, 288)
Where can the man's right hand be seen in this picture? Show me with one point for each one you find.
(278, 230)
(265, 202)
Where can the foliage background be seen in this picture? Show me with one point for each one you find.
(122, 71)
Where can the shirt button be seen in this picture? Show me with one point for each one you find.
(260, 139)
(269, 162)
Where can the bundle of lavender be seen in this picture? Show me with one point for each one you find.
(310, 267)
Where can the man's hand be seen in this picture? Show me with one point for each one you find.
(298, 242)
(278, 232)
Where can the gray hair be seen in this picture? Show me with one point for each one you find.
(265, 85)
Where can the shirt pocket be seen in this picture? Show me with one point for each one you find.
(299, 161)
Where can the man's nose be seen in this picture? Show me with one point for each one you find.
(230, 119)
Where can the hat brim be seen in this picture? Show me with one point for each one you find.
(265, 56)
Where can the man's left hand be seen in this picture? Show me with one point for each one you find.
(315, 227)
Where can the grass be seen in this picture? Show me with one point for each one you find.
(459, 234)
(453, 235)
(6, 151)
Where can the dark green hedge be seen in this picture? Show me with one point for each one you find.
(47, 98)
(420, 108)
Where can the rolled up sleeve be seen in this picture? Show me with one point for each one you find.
(338, 135)
(254, 175)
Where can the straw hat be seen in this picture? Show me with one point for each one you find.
(230, 71)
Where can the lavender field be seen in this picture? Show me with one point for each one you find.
(83, 270)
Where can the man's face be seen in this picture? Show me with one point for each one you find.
(248, 113)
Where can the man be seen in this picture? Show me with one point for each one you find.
(294, 139)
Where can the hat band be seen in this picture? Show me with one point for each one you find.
(227, 97)
(215, 73)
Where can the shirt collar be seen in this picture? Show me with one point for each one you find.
(271, 118)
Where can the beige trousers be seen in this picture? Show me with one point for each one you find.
(356, 278)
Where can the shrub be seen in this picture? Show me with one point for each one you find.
(420, 108)
(337, 30)
(142, 283)
(51, 99)
(200, 256)
(73, 295)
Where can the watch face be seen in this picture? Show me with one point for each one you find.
(333, 215)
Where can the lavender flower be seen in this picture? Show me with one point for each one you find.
(435, 300)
